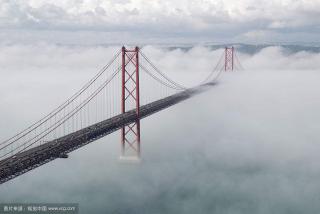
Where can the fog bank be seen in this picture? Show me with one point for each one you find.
(248, 145)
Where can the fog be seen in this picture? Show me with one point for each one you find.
(248, 145)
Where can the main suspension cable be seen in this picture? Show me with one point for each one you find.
(61, 107)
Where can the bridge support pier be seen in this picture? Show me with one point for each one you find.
(130, 99)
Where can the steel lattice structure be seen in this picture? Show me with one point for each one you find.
(130, 90)
(229, 59)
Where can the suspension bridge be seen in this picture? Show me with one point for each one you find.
(127, 89)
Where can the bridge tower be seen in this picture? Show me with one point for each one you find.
(229, 59)
(130, 100)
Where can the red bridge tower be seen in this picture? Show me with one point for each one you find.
(229, 59)
(130, 99)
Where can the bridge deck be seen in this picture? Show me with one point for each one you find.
(25, 161)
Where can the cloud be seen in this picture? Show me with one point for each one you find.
(282, 59)
(249, 145)
(195, 20)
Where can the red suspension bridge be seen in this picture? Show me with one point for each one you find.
(127, 89)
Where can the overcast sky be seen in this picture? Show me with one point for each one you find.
(120, 21)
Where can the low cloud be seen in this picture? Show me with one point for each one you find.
(248, 145)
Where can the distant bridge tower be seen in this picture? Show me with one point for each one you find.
(130, 99)
(229, 59)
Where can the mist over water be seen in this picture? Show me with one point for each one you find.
(248, 145)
